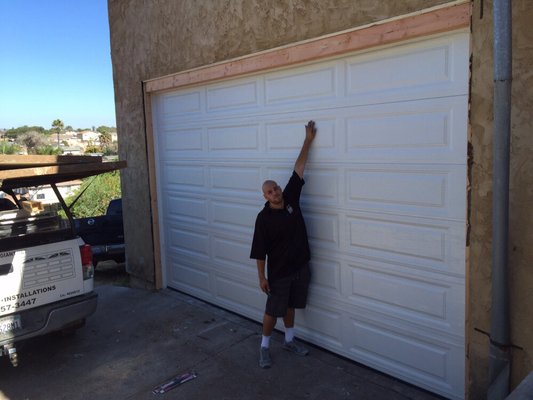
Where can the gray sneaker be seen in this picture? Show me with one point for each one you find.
(295, 348)
(264, 357)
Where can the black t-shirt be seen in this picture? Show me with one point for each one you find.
(280, 236)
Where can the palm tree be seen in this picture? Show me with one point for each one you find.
(105, 139)
(57, 126)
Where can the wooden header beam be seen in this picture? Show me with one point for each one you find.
(430, 22)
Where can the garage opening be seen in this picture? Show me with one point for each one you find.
(384, 203)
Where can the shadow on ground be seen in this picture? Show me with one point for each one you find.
(111, 273)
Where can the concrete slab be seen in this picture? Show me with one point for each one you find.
(139, 339)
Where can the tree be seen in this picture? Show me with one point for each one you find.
(99, 191)
(92, 149)
(105, 139)
(32, 140)
(110, 150)
(9, 148)
(13, 133)
(48, 150)
(105, 129)
(57, 126)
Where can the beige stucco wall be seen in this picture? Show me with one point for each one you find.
(150, 39)
(521, 193)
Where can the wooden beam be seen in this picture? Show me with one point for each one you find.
(433, 21)
(43, 175)
(152, 177)
(21, 161)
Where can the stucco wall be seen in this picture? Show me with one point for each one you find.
(521, 193)
(150, 39)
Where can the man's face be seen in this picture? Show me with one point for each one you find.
(273, 193)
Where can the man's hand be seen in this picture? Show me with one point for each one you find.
(263, 284)
(310, 131)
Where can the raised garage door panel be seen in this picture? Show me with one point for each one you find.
(384, 200)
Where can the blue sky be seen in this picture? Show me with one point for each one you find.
(55, 63)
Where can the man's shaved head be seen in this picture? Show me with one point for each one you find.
(273, 194)
(268, 183)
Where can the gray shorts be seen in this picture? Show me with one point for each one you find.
(288, 292)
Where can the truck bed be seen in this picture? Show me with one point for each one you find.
(19, 228)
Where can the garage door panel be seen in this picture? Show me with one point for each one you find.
(431, 246)
(233, 216)
(190, 277)
(323, 229)
(184, 177)
(321, 187)
(289, 135)
(403, 127)
(426, 131)
(395, 291)
(183, 207)
(421, 303)
(307, 83)
(415, 188)
(179, 104)
(326, 276)
(243, 179)
(400, 238)
(428, 364)
(430, 191)
(417, 360)
(182, 140)
(415, 355)
(233, 138)
(410, 71)
(243, 93)
(393, 295)
(239, 296)
(323, 323)
(231, 250)
(189, 241)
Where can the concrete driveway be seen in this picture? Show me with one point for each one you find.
(139, 339)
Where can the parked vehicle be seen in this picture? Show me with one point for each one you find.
(46, 269)
(104, 233)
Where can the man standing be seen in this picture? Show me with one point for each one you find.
(280, 242)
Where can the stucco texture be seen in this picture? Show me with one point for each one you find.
(520, 195)
(153, 38)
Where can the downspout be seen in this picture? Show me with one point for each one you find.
(500, 350)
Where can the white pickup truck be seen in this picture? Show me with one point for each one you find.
(46, 270)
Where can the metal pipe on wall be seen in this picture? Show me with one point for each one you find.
(500, 350)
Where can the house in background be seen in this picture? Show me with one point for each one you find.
(399, 181)
(46, 195)
(86, 136)
(72, 150)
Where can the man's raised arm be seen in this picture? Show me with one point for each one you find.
(310, 133)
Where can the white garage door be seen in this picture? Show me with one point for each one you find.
(384, 201)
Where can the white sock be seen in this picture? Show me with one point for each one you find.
(265, 341)
(289, 334)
